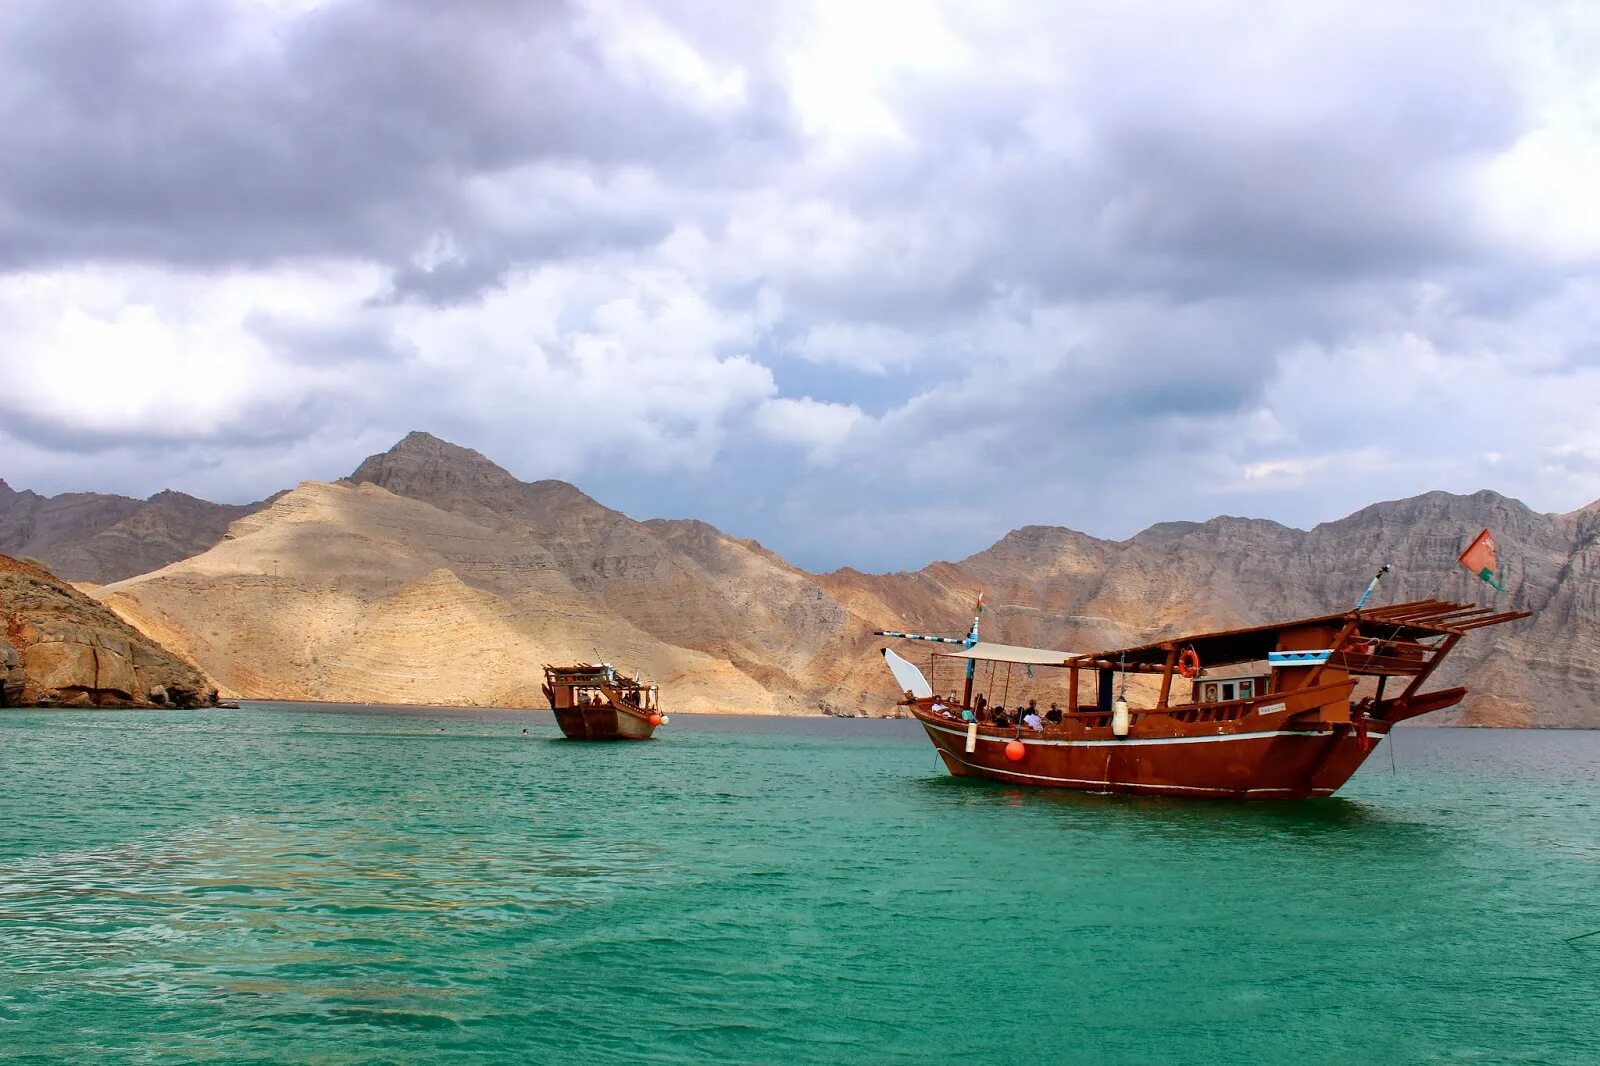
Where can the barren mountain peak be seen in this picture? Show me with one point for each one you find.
(454, 478)
(420, 461)
(1436, 505)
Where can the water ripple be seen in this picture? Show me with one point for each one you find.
(347, 887)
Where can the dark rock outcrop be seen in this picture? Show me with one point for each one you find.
(61, 648)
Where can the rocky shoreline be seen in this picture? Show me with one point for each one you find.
(60, 648)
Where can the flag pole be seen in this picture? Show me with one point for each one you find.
(1362, 602)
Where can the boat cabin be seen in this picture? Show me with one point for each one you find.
(593, 685)
(1230, 670)
(1227, 689)
(1403, 642)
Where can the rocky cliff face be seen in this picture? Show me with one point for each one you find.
(61, 648)
(433, 575)
(1056, 588)
(94, 537)
(686, 584)
(351, 592)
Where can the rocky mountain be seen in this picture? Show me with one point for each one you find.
(433, 575)
(1056, 588)
(61, 648)
(684, 583)
(351, 592)
(95, 537)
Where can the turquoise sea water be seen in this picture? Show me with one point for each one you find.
(283, 884)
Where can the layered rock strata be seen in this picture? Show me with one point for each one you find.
(434, 575)
(62, 648)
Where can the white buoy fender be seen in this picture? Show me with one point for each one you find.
(972, 737)
(1120, 718)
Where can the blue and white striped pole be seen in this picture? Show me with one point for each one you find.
(1362, 602)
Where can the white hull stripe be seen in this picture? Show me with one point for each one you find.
(1143, 741)
(1107, 786)
(1298, 658)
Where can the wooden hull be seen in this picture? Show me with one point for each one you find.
(1274, 747)
(602, 723)
(1280, 764)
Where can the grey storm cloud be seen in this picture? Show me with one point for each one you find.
(1063, 251)
(194, 131)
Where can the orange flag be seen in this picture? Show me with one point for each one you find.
(1480, 558)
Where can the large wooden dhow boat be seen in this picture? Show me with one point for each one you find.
(597, 702)
(1263, 712)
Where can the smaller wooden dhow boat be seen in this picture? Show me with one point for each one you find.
(1262, 712)
(596, 702)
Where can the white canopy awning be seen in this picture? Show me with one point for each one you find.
(1010, 653)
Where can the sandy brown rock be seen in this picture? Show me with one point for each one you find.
(352, 593)
(433, 575)
(63, 648)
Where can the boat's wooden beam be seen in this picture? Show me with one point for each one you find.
(1432, 665)
(1406, 608)
(1383, 664)
(1493, 619)
(1114, 664)
(1465, 613)
(1443, 617)
(1338, 642)
(1166, 677)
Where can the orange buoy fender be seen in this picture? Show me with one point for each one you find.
(1015, 750)
(657, 719)
(1189, 663)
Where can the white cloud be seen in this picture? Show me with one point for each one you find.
(1097, 267)
(819, 428)
(152, 352)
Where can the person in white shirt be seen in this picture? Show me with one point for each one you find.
(1032, 720)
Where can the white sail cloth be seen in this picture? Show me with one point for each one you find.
(907, 676)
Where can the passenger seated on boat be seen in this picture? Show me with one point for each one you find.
(999, 716)
(1053, 715)
(981, 704)
(1032, 719)
(967, 715)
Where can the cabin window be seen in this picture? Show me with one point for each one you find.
(1247, 689)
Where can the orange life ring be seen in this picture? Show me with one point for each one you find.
(1189, 663)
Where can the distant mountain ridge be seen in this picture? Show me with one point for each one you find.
(98, 537)
(432, 574)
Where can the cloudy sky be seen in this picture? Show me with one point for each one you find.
(872, 282)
